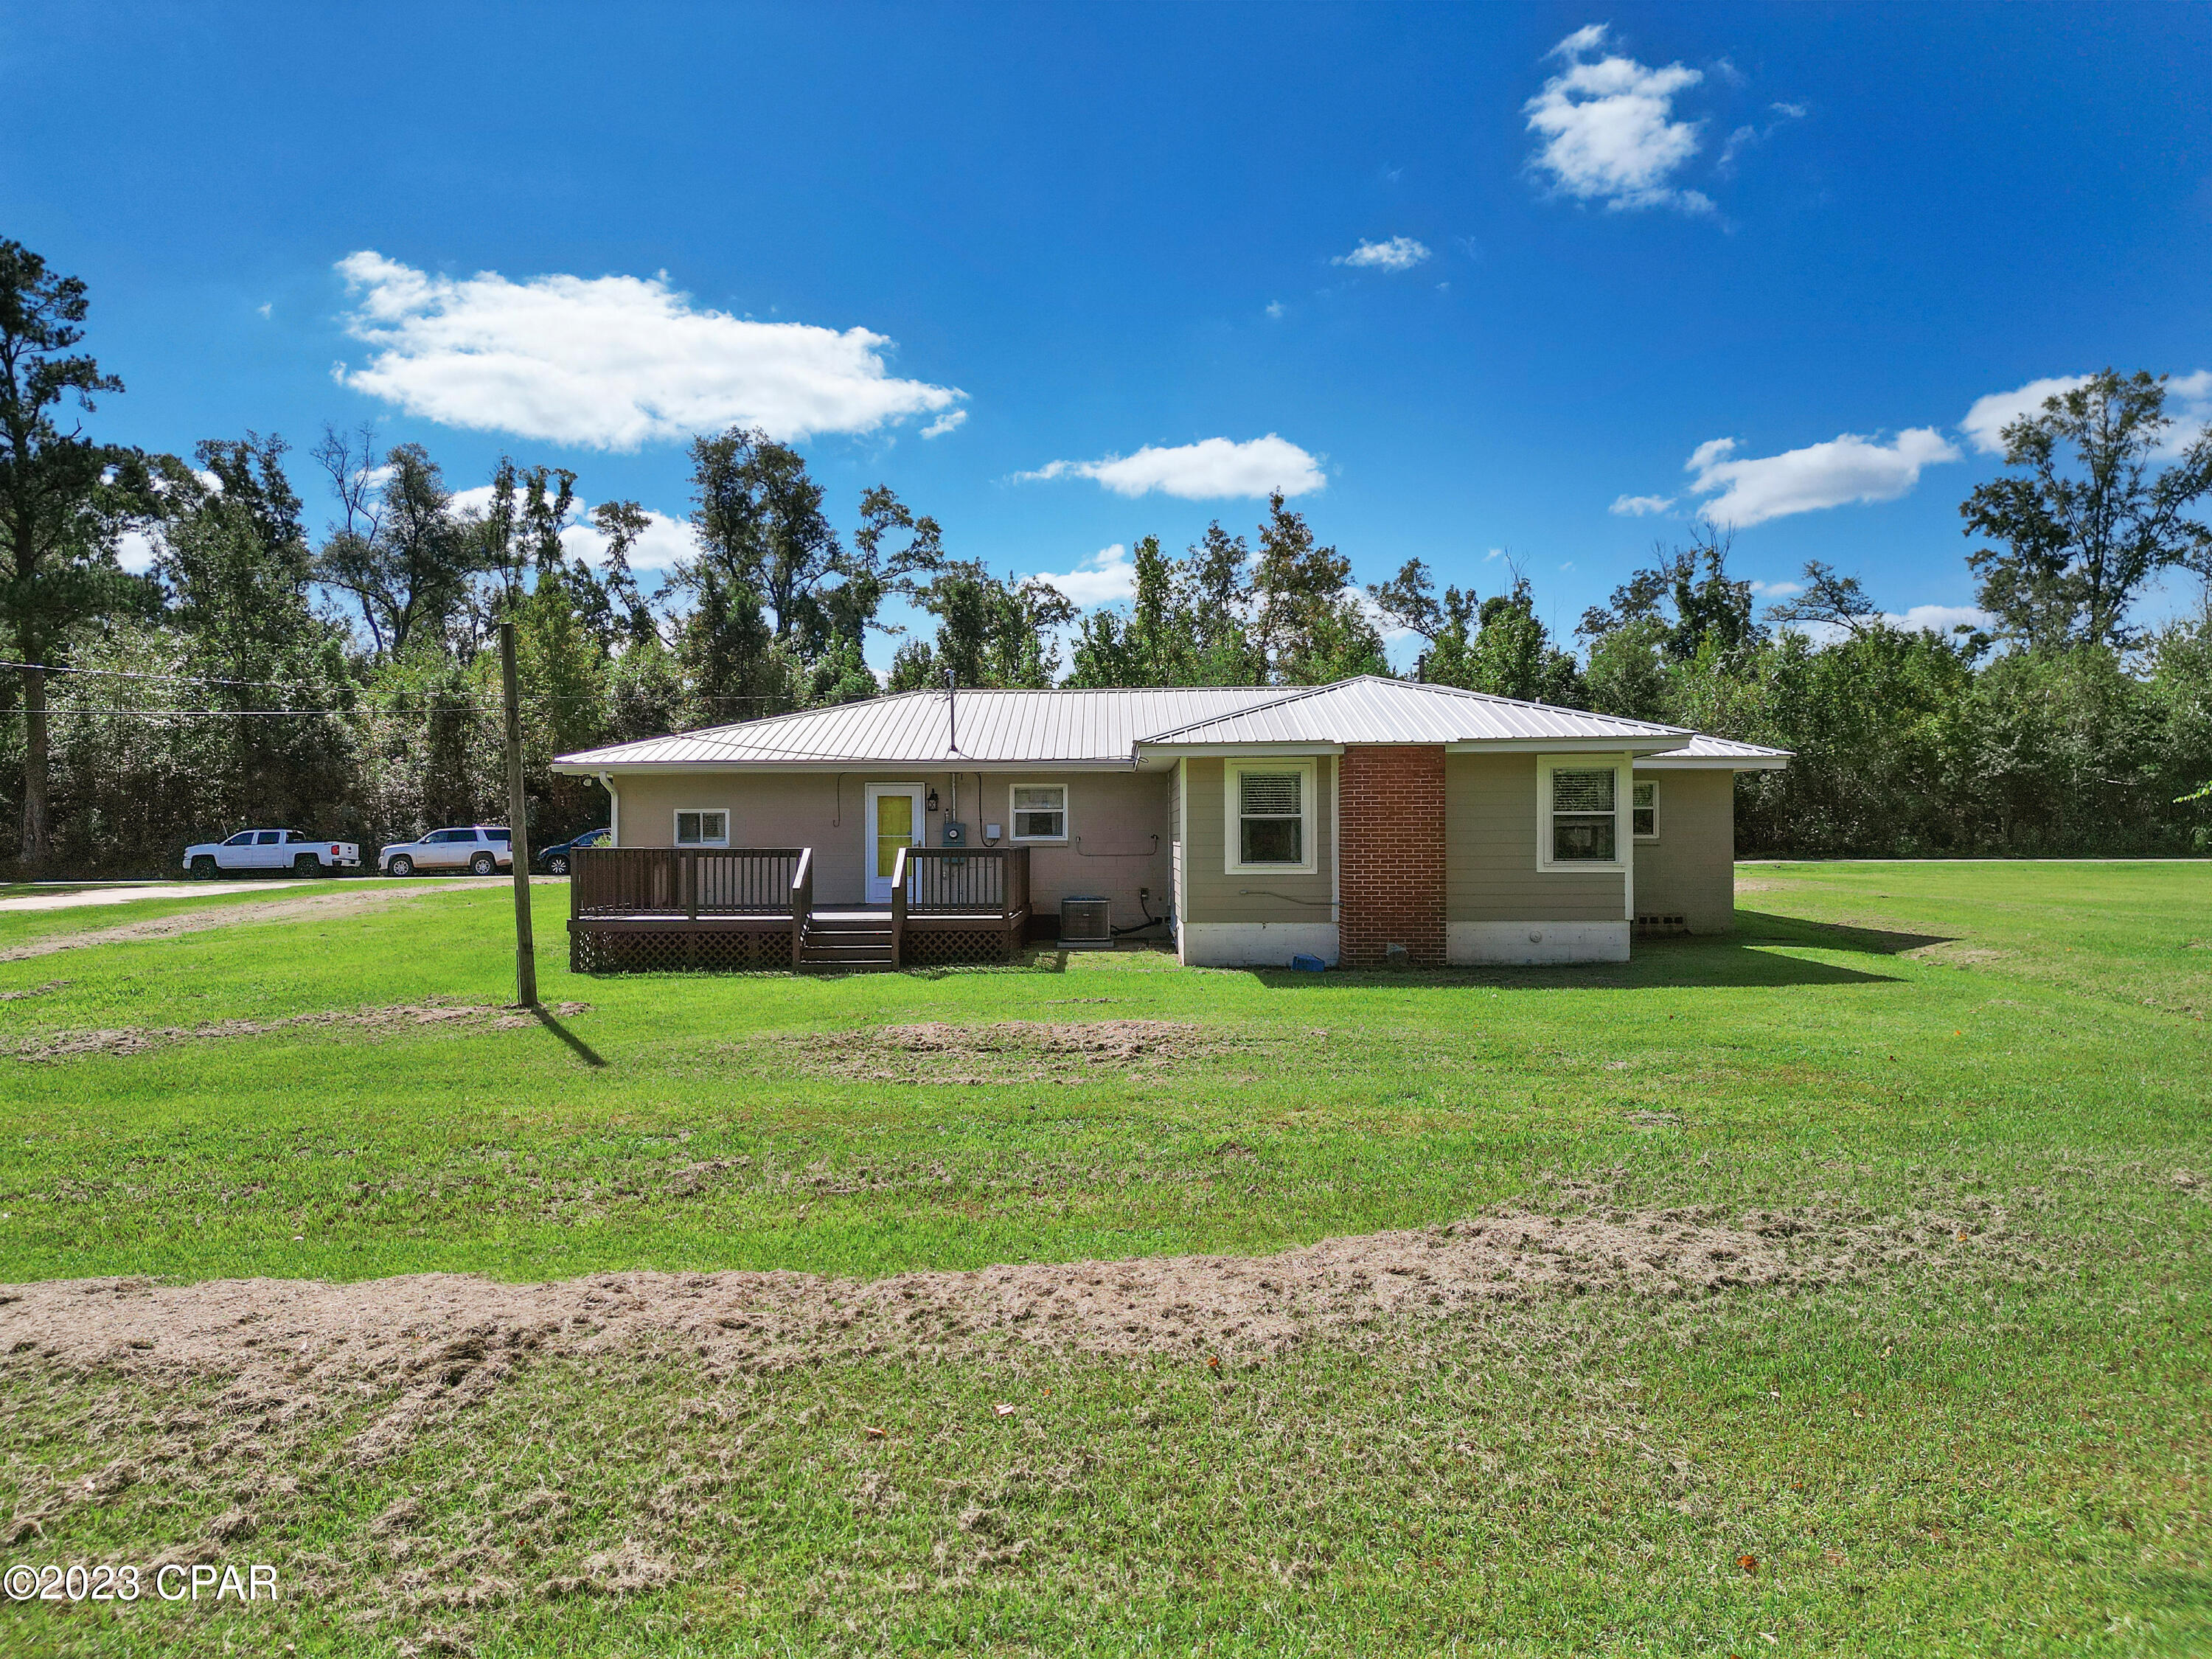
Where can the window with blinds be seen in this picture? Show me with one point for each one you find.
(1271, 817)
(702, 828)
(1644, 808)
(1041, 812)
(1584, 822)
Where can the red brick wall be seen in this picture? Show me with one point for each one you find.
(1390, 856)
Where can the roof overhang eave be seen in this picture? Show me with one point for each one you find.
(1719, 763)
(1651, 745)
(576, 767)
(1182, 750)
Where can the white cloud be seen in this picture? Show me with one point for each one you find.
(1275, 309)
(1640, 507)
(1986, 421)
(1608, 127)
(1846, 469)
(658, 546)
(135, 550)
(2188, 400)
(1745, 137)
(265, 308)
(1589, 37)
(1942, 618)
(610, 362)
(1399, 253)
(944, 424)
(662, 542)
(1107, 575)
(1206, 471)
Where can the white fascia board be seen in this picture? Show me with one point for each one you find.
(1637, 746)
(1264, 750)
(1663, 763)
(952, 764)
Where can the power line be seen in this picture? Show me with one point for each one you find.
(209, 679)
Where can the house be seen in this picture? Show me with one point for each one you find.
(1366, 821)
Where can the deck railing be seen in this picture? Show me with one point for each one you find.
(964, 881)
(902, 875)
(801, 899)
(688, 882)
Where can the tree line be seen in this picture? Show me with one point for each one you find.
(341, 676)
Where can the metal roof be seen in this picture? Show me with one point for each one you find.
(913, 728)
(1371, 709)
(1111, 728)
(1703, 753)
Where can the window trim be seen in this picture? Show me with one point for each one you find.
(1232, 839)
(1623, 815)
(676, 827)
(1636, 783)
(1066, 814)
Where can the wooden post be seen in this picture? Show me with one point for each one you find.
(518, 828)
(898, 909)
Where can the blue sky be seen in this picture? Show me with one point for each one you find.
(1749, 260)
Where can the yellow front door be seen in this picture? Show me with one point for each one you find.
(894, 829)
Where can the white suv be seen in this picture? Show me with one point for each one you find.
(482, 850)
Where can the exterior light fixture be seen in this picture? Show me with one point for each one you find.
(933, 800)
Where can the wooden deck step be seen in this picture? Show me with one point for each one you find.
(847, 944)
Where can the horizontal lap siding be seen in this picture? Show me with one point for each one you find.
(1690, 871)
(1490, 850)
(1115, 814)
(1211, 893)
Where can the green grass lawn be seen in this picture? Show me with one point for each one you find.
(1970, 1455)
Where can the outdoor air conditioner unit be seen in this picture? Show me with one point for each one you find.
(1086, 923)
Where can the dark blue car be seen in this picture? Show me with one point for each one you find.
(554, 860)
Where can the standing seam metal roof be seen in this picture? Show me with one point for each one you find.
(1371, 709)
(1058, 727)
(911, 727)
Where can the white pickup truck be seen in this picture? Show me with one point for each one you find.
(270, 850)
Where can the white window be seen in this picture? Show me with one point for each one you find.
(1579, 814)
(1644, 808)
(1270, 815)
(702, 828)
(1040, 811)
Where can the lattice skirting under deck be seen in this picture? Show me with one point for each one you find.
(937, 948)
(593, 951)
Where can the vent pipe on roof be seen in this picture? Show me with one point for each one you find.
(952, 725)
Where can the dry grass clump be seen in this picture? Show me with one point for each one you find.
(350, 900)
(431, 1344)
(383, 1022)
(1013, 1050)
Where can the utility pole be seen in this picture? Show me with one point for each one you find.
(518, 828)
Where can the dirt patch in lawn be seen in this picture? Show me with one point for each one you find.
(1014, 1050)
(346, 902)
(48, 988)
(405, 1016)
(434, 1343)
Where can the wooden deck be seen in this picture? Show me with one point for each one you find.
(662, 908)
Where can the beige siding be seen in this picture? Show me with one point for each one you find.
(1490, 851)
(1211, 893)
(1690, 871)
(1113, 820)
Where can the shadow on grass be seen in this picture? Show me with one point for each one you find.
(1760, 927)
(1729, 961)
(583, 1050)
